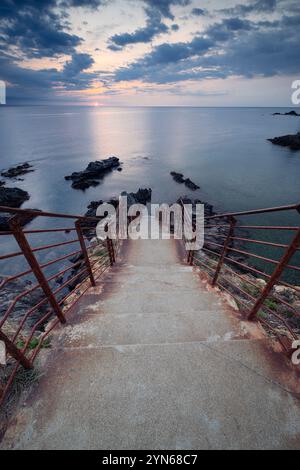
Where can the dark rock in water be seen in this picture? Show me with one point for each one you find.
(178, 177)
(120, 168)
(12, 197)
(142, 196)
(290, 113)
(93, 173)
(292, 141)
(82, 183)
(18, 170)
(24, 219)
(191, 185)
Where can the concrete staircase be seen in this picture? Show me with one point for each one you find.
(151, 359)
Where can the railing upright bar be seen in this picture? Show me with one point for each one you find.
(15, 352)
(84, 252)
(110, 249)
(225, 249)
(33, 263)
(276, 274)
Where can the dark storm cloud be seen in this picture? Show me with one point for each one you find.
(154, 27)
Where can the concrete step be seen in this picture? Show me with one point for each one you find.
(174, 396)
(130, 300)
(141, 328)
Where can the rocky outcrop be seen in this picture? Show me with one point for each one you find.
(12, 197)
(19, 170)
(179, 178)
(292, 141)
(191, 185)
(24, 219)
(8, 294)
(290, 113)
(93, 173)
(142, 196)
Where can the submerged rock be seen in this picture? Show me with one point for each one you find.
(13, 197)
(292, 141)
(18, 170)
(93, 173)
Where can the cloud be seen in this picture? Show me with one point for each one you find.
(259, 6)
(164, 6)
(232, 47)
(35, 29)
(154, 27)
(198, 12)
(42, 84)
(77, 64)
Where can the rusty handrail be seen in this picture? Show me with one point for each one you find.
(224, 250)
(88, 268)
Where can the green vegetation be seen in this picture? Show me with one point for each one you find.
(250, 289)
(34, 343)
(271, 304)
(263, 315)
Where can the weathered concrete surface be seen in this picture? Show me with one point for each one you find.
(152, 360)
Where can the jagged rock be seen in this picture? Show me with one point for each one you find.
(191, 185)
(142, 196)
(178, 177)
(18, 170)
(11, 290)
(290, 113)
(12, 197)
(24, 219)
(292, 141)
(93, 173)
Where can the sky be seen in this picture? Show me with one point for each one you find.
(150, 52)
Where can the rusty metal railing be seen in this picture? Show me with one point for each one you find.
(225, 238)
(55, 293)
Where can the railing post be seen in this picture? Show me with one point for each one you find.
(225, 249)
(12, 349)
(276, 274)
(84, 252)
(33, 263)
(191, 257)
(110, 249)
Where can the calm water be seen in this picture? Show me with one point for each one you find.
(222, 150)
